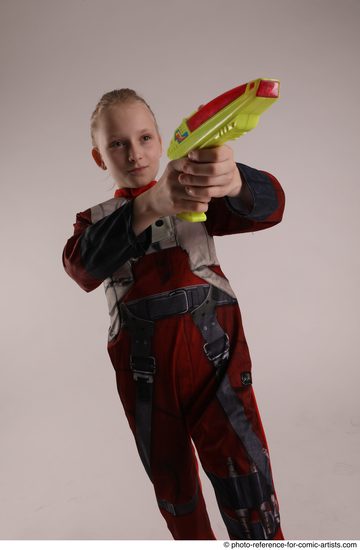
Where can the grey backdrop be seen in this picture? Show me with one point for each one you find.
(69, 468)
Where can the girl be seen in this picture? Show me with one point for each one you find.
(176, 340)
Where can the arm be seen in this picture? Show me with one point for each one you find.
(240, 198)
(99, 247)
(97, 250)
(239, 214)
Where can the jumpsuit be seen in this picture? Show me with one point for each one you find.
(182, 364)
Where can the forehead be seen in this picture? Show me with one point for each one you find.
(126, 118)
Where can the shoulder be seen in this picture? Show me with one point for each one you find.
(100, 211)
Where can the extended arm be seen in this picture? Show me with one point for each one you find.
(228, 215)
(97, 250)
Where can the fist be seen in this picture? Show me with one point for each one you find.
(208, 173)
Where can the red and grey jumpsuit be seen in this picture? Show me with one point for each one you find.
(182, 364)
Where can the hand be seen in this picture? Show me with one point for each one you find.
(188, 185)
(210, 173)
(169, 197)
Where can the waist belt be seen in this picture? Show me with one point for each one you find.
(139, 316)
(175, 302)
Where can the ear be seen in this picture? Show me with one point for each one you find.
(97, 158)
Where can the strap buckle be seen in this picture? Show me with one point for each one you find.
(214, 355)
(181, 292)
(143, 368)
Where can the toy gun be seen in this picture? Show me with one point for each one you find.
(226, 117)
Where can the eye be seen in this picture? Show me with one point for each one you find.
(147, 137)
(117, 143)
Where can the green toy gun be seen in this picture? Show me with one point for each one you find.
(226, 117)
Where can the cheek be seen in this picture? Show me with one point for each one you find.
(156, 158)
(157, 152)
(117, 158)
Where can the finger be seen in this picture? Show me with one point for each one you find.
(190, 194)
(178, 164)
(206, 181)
(190, 204)
(196, 196)
(193, 206)
(209, 168)
(206, 193)
(211, 154)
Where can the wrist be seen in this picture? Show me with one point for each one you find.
(237, 184)
(242, 191)
(144, 213)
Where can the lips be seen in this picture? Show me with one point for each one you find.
(137, 170)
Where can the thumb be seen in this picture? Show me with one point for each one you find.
(178, 165)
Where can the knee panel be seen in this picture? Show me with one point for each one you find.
(247, 504)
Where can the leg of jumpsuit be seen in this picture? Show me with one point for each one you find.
(225, 425)
(174, 466)
(186, 402)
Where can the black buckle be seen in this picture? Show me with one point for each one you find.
(181, 291)
(218, 357)
(143, 367)
(246, 378)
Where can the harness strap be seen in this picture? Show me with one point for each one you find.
(139, 317)
(143, 366)
(216, 345)
(165, 304)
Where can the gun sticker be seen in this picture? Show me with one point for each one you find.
(179, 137)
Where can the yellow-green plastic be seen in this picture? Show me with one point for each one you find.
(233, 121)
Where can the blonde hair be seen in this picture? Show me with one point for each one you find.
(115, 97)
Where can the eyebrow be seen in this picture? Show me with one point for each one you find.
(144, 131)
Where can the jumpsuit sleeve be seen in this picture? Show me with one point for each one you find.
(97, 250)
(228, 215)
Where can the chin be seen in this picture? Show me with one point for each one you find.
(140, 181)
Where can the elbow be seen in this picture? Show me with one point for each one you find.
(281, 207)
(277, 216)
(76, 271)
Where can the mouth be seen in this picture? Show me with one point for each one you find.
(137, 170)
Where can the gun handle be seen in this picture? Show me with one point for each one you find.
(192, 216)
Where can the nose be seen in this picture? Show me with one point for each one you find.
(134, 153)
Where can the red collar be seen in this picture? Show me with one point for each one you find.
(130, 192)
